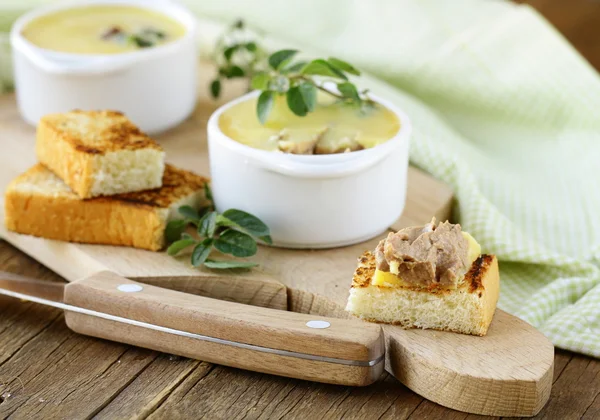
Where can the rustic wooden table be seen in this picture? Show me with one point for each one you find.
(46, 371)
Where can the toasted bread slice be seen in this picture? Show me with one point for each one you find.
(99, 153)
(38, 203)
(467, 309)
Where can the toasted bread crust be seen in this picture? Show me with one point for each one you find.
(134, 219)
(177, 183)
(72, 144)
(475, 276)
(107, 131)
(365, 270)
(91, 222)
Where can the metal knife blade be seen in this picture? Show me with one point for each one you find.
(17, 284)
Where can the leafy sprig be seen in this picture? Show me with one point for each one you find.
(299, 81)
(233, 232)
(237, 56)
(279, 74)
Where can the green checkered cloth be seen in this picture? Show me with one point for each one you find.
(503, 111)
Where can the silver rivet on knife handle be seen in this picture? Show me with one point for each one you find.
(318, 324)
(130, 288)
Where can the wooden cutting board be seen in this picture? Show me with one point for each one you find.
(506, 373)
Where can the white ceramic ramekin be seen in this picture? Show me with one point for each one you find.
(155, 87)
(317, 201)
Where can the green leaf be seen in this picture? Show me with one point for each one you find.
(295, 67)
(250, 223)
(348, 90)
(185, 235)
(189, 212)
(280, 58)
(237, 71)
(309, 94)
(203, 211)
(215, 88)
(140, 41)
(251, 46)
(321, 67)
(208, 192)
(295, 101)
(228, 53)
(219, 265)
(236, 243)
(231, 72)
(223, 221)
(201, 252)
(208, 224)
(264, 105)
(344, 66)
(260, 81)
(174, 230)
(266, 239)
(279, 84)
(179, 245)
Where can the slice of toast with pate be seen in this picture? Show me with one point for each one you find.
(39, 203)
(412, 280)
(99, 153)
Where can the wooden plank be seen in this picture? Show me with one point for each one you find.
(578, 23)
(150, 389)
(46, 371)
(58, 373)
(428, 410)
(224, 393)
(561, 360)
(21, 322)
(576, 391)
(593, 411)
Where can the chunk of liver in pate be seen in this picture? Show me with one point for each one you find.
(425, 256)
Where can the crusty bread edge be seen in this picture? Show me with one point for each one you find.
(74, 167)
(100, 221)
(490, 280)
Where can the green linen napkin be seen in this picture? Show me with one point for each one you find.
(503, 111)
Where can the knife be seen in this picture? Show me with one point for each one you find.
(108, 306)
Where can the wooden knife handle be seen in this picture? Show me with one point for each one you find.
(348, 352)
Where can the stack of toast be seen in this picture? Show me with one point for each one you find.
(99, 180)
